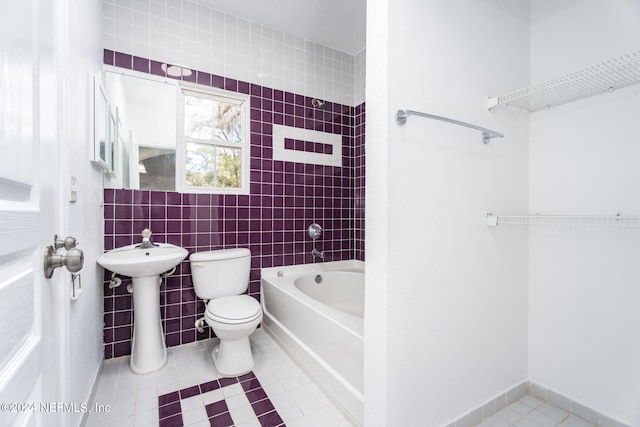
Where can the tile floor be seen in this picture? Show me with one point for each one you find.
(533, 412)
(187, 391)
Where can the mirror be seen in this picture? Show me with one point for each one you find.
(100, 121)
(120, 167)
(145, 135)
(111, 135)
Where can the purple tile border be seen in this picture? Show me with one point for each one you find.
(308, 146)
(123, 60)
(170, 410)
(108, 57)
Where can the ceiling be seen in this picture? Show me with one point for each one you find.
(338, 24)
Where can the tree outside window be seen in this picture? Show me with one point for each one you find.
(214, 141)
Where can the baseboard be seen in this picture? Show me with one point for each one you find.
(573, 407)
(516, 392)
(491, 407)
(92, 393)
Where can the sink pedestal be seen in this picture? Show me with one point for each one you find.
(148, 351)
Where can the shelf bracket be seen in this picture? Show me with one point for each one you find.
(493, 102)
(492, 220)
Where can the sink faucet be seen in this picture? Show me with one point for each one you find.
(317, 254)
(146, 240)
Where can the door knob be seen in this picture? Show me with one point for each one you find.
(73, 260)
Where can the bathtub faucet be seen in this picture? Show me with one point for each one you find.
(317, 254)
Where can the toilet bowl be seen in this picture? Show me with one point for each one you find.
(221, 278)
(233, 319)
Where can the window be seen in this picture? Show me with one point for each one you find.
(215, 142)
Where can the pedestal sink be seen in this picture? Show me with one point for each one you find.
(144, 266)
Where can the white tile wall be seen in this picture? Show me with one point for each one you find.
(182, 32)
(360, 73)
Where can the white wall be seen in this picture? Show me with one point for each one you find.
(82, 59)
(584, 317)
(376, 218)
(456, 290)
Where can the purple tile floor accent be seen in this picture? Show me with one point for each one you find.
(222, 420)
(262, 407)
(188, 392)
(209, 386)
(174, 421)
(216, 408)
(168, 398)
(271, 419)
(256, 395)
(170, 409)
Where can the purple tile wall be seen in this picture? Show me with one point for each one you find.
(359, 174)
(285, 198)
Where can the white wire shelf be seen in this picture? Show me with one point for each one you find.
(617, 221)
(596, 79)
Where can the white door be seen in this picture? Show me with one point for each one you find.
(29, 214)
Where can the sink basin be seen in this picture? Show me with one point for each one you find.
(144, 266)
(136, 262)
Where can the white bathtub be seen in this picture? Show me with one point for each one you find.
(321, 324)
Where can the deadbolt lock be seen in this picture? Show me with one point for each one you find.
(68, 243)
(73, 259)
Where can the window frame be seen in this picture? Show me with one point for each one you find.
(244, 145)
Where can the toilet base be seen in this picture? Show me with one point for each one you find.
(233, 358)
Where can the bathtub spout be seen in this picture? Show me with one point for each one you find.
(317, 254)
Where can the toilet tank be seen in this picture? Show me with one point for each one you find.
(220, 273)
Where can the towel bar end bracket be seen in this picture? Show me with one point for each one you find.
(401, 117)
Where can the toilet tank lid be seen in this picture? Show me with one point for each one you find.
(220, 254)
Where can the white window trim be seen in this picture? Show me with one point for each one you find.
(245, 146)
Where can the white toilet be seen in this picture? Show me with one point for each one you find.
(222, 277)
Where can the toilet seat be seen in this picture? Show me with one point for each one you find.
(234, 309)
